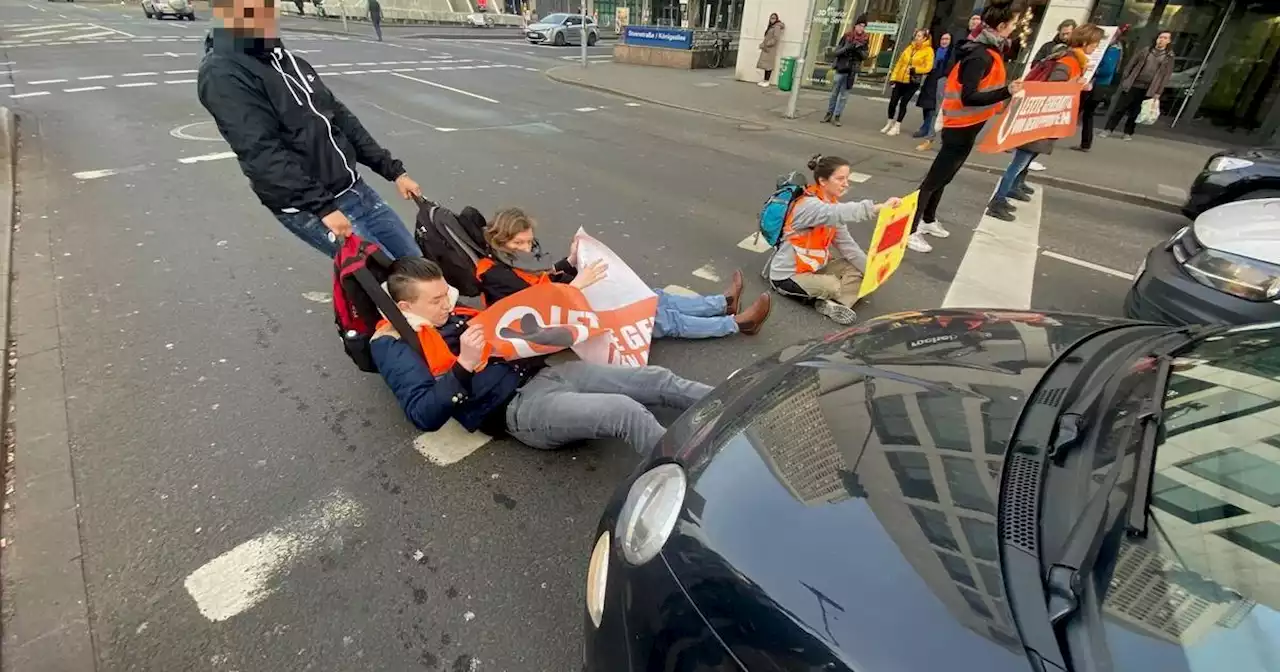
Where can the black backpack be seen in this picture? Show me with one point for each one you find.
(359, 301)
(456, 243)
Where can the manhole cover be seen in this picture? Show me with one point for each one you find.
(752, 127)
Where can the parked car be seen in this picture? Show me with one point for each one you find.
(1222, 269)
(1235, 175)
(480, 20)
(951, 490)
(561, 29)
(158, 9)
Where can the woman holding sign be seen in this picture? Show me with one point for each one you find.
(804, 266)
(1064, 63)
(516, 262)
(975, 91)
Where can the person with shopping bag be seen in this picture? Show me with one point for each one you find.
(1144, 80)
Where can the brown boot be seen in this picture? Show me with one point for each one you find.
(733, 295)
(750, 320)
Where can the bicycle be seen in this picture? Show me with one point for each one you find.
(719, 50)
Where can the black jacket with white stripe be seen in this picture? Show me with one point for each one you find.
(296, 142)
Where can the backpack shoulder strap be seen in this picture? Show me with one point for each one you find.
(389, 309)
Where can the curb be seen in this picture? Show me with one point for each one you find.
(1049, 180)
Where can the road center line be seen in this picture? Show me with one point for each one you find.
(47, 81)
(208, 157)
(132, 85)
(93, 77)
(30, 95)
(1087, 264)
(138, 74)
(78, 89)
(447, 88)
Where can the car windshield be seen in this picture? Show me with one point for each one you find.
(1201, 591)
(554, 19)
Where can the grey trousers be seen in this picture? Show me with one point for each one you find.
(577, 401)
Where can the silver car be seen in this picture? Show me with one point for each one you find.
(562, 29)
(158, 9)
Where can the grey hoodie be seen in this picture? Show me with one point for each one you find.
(810, 212)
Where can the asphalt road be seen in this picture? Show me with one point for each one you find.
(248, 501)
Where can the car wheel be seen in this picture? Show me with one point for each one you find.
(559, 40)
(591, 39)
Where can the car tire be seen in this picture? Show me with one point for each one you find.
(559, 40)
(592, 39)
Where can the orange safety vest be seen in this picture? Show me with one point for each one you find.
(439, 357)
(812, 246)
(484, 265)
(955, 114)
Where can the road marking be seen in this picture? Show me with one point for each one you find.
(707, 272)
(94, 174)
(1087, 264)
(353, 72)
(576, 109)
(30, 95)
(755, 243)
(208, 157)
(859, 178)
(999, 266)
(1171, 192)
(113, 30)
(138, 74)
(92, 77)
(84, 88)
(679, 290)
(180, 72)
(244, 576)
(6, 86)
(179, 81)
(42, 29)
(447, 88)
(132, 85)
(47, 81)
(341, 65)
(632, 104)
(90, 35)
(449, 444)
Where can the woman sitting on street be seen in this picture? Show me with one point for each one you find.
(818, 224)
(516, 261)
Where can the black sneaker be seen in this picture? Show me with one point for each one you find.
(1023, 195)
(1001, 210)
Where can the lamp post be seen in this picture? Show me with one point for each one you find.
(799, 74)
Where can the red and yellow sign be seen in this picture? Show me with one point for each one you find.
(888, 244)
(1042, 111)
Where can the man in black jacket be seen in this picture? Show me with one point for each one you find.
(296, 142)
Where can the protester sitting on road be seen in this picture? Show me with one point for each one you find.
(803, 266)
(296, 142)
(1068, 64)
(516, 261)
(542, 406)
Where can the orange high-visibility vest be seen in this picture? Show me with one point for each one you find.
(955, 114)
(439, 357)
(485, 265)
(812, 246)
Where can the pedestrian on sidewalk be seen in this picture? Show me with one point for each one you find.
(1092, 97)
(803, 266)
(375, 17)
(914, 63)
(1145, 78)
(961, 38)
(516, 262)
(975, 91)
(769, 48)
(1068, 64)
(928, 98)
(850, 52)
(1047, 50)
(295, 141)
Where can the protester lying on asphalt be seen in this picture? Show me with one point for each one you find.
(516, 261)
(803, 266)
(542, 406)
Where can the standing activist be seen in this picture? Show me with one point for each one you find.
(975, 91)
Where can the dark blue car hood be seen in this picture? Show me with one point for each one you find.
(841, 509)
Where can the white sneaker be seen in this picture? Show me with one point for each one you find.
(887, 125)
(917, 243)
(763, 85)
(838, 312)
(895, 128)
(934, 229)
(1036, 166)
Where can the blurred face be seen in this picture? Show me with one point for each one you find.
(1065, 32)
(922, 36)
(1163, 40)
(974, 22)
(253, 17)
(945, 40)
(1005, 29)
(431, 302)
(859, 29)
(521, 242)
(1090, 48)
(837, 184)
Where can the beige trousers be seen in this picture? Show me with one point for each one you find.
(838, 281)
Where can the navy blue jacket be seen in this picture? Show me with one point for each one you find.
(478, 401)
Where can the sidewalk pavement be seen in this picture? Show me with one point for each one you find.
(1153, 172)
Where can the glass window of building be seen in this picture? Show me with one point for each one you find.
(1241, 471)
(944, 416)
(1189, 503)
(976, 604)
(981, 536)
(968, 490)
(999, 411)
(991, 580)
(956, 568)
(1261, 538)
(935, 527)
(893, 425)
(914, 475)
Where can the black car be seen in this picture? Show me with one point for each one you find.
(959, 490)
(1235, 175)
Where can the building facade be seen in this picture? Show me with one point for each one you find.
(1227, 52)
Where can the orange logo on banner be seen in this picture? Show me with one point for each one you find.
(632, 331)
(888, 243)
(540, 320)
(1044, 110)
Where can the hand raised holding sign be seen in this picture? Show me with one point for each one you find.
(1015, 87)
(590, 275)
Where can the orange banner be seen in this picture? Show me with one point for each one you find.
(540, 320)
(1043, 110)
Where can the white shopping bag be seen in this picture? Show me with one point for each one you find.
(1150, 111)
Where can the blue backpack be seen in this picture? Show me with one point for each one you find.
(774, 213)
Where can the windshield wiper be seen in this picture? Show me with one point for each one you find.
(1152, 419)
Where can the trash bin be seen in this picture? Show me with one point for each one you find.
(787, 73)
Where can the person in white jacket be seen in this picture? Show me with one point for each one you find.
(817, 260)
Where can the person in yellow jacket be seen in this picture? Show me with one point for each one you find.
(913, 64)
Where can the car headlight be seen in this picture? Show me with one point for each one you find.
(598, 579)
(650, 512)
(1222, 163)
(1242, 277)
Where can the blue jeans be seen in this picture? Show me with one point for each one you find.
(839, 93)
(926, 129)
(692, 316)
(1015, 174)
(370, 216)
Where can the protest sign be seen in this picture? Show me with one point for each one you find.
(539, 320)
(1042, 110)
(624, 304)
(1095, 59)
(888, 243)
